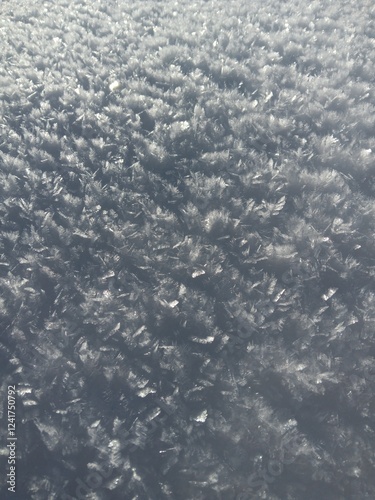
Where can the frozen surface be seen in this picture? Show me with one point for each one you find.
(187, 249)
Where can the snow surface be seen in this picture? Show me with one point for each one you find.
(187, 251)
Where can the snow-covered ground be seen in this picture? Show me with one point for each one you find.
(187, 249)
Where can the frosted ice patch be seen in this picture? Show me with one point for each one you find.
(24, 390)
(202, 417)
(29, 402)
(173, 304)
(114, 86)
(329, 294)
(207, 340)
(49, 434)
(145, 392)
(197, 273)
